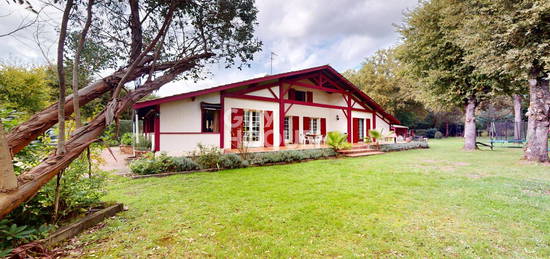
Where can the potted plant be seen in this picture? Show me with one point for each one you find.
(337, 140)
(375, 137)
(126, 143)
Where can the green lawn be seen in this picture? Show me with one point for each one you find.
(421, 203)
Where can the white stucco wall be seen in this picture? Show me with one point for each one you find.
(251, 105)
(180, 123)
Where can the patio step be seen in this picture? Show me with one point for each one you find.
(367, 153)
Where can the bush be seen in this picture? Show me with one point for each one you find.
(438, 135)
(185, 164)
(127, 139)
(291, 155)
(159, 164)
(403, 146)
(207, 156)
(231, 161)
(337, 140)
(430, 133)
(143, 143)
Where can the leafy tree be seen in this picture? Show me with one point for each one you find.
(155, 42)
(433, 57)
(512, 39)
(27, 90)
(381, 77)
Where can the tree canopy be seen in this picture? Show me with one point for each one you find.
(382, 77)
(26, 90)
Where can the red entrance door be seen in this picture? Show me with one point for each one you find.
(355, 130)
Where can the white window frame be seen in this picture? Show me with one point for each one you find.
(314, 125)
(251, 139)
(287, 128)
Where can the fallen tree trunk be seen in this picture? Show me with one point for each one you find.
(30, 182)
(20, 136)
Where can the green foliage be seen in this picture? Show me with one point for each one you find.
(143, 143)
(291, 155)
(78, 193)
(507, 37)
(207, 156)
(232, 161)
(337, 140)
(375, 134)
(155, 165)
(186, 164)
(25, 90)
(12, 235)
(403, 146)
(438, 135)
(382, 77)
(127, 139)
(433, 57)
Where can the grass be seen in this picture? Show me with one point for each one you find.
(441, 202)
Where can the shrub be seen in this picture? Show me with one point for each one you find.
(127, 139)
(403, 146)
(291, 155)
(160, 164)
(337, 140)
(185, 164)
(207, 156)
(143, 143)
(430, 133)
(438, 135)
(231, 161)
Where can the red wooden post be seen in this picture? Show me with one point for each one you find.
(348, 100)
(222, 119)
(281, 115)
(157, 129)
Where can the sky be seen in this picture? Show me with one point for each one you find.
(302, 34)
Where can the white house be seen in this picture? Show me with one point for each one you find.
(293, 108)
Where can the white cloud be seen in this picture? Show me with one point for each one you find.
(303, 33)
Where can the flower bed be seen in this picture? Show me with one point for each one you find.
(209, 159)
(403, 146)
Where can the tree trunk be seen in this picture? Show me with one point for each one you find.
(470, 133)
(20, 136)
(538, 123)
(57, 197)
(76, 64)
(61, 78)
(34, 179)
(517, 116)
(8, 181)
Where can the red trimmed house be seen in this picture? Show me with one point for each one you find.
(289, 109)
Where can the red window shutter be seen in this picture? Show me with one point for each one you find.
(355, 130)
(307, 124)
(296, 129)
(237, 120)
(157, 133)
(291, 94)
(323, 126)
(268, 128)
(309, 97)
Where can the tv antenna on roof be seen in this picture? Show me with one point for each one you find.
(271, 62)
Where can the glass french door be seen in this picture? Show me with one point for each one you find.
(252, 128)
(361, 129)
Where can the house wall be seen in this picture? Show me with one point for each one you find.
(180, 121)
(180, 125)
(251, 105)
